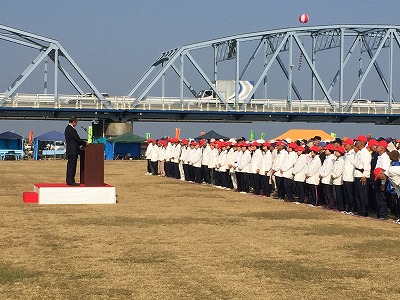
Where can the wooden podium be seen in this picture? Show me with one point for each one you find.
(92, 165)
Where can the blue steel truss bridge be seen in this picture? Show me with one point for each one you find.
(336, 73)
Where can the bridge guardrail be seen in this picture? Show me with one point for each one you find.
(194, 104)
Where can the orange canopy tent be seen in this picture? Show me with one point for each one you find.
(296, 134)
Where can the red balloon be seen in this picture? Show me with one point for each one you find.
(303, 18)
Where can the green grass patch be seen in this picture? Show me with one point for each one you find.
(142, 260)
(119, 293)
(286, 215)
(301, 270)
(375, 248)
(11, 274)
(343, 230)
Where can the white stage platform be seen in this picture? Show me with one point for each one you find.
(59, 193)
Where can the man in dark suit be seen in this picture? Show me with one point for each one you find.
(73, 148)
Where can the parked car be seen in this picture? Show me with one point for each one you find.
(59, 145)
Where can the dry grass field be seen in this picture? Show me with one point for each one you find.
(167, 239)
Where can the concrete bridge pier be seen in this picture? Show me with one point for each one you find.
(105, 128)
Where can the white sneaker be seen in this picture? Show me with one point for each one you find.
(243, 193)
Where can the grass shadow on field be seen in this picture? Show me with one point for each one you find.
(344, 230)
(56, 243)
(154, 221)
(375, 248)
(11, 274)
(118, 293)
(300, 270)
(287, 215)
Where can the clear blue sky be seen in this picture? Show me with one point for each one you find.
(114, 42)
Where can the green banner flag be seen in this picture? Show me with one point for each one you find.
(251, 135)
(333, 135)
(147, 135)
(90, 134)
(262, 136)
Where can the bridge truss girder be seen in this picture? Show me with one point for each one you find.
(372, 39)
(139, 115)
(48, 49)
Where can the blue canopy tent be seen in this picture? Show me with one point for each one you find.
(40, 142)
(11, 145)
(103, 140)
(127, 144)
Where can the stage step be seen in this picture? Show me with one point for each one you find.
(30, 197)
(60, 193)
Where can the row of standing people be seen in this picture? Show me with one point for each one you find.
(338, 176)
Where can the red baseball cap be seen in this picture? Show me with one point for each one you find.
(361, 138)
(372, 142)
(340, 149)
(299, 148)
(348, 142)
(315, 149)
(383, 144)
(377, 171)
(329, 147)
(266, 144)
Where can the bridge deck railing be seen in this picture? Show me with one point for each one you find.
(194, 104)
